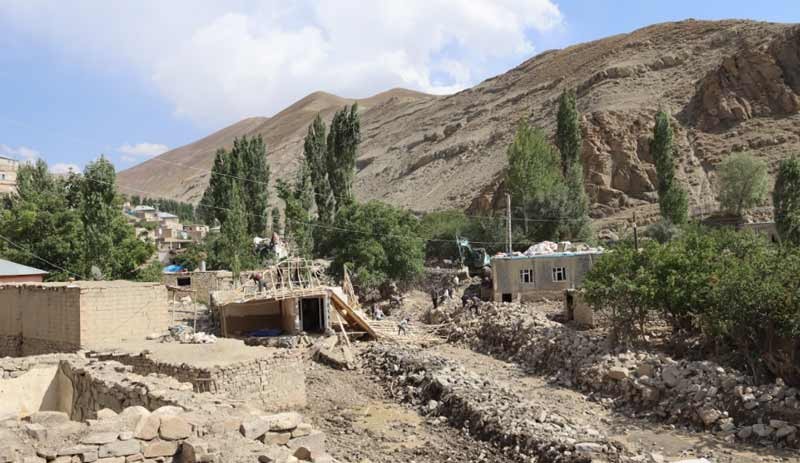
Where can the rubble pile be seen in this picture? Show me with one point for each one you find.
(167, 434)
(439, 387)
(700, 393)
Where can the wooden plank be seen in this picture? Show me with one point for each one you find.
(351, 315)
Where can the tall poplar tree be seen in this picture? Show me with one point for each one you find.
(569, 143)
(568, 131)
(315, 153)
(212, 205)
(342, 151)
(254, 181)
(672, 200)
(299, 200)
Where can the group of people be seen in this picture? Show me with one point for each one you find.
(438, 296)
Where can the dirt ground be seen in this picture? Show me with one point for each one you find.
(364, 424)
(224, 351)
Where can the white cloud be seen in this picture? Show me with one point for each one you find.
(145, 150)
(64, 168)
(20, 153)
(217, 62)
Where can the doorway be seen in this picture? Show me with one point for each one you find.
(311, 314)
(507, 297)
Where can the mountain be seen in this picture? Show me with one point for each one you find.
(730, 85)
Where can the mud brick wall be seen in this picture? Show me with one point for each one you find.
(280, 379)
(45, 317)
(122, 311)
(63, 317)
(10, 345)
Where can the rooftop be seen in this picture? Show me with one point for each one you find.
(166, 215)
(11, 269)
(143, 208)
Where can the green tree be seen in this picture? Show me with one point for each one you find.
(743, 182)
(41, 224)
(534, 180)
(672, 199)
(299, 200)
(315, 153)
(786, 200)
(276, 221)
(234, 251)
(342, 151)
(379, 242)
(213, 204)
(111, 243)
(568, 131)
(254, 181)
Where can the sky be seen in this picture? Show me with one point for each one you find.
(132, 79)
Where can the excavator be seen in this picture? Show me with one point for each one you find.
(476, 259)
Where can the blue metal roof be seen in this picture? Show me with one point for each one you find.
(11, 269)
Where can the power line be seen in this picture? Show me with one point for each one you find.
(210, 172)
(20, 247)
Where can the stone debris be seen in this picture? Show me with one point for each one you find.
(486, 410)
(650, 385)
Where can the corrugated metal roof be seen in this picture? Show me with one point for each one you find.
(8, 268)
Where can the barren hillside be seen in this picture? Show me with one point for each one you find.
(731, 85)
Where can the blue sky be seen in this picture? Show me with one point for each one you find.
(132, 79)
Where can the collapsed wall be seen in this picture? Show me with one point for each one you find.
(700, 393)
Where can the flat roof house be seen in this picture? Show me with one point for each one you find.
(8, 175)
(519, 278)
(11, 272)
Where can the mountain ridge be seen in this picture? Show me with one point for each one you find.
(427, 152)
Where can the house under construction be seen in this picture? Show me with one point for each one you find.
(293, 300)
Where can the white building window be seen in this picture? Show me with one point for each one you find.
(2, 176)
(526, 276)
(559, 274)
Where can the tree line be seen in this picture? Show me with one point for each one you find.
(71, 226)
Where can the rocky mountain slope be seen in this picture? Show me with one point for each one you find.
(730, 86)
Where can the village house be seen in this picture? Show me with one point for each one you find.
(201, 283)
(8, 175)
(11, 272)
(536, 274)
(145, 213)
(196, 232)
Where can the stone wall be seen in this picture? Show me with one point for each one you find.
(280, 378)
(10, 345)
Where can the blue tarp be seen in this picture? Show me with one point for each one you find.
(265, 333)
(173, 268)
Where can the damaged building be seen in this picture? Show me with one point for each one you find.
(545, 270)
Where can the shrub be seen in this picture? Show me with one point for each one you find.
(379, 242)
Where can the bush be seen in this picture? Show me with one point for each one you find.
(379, 242)
(733, 289)
(743, 182)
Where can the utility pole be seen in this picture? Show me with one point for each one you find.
(508, 221)
(635, 233)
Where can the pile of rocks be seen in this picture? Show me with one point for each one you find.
(168, 434)
(700, 393)
(488, 411)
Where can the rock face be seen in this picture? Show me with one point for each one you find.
(732, 86)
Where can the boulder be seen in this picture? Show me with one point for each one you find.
(617, 373)
(670, 375)
(160, 448)
(277, 438)
(147, 428)
(49, 418)
(282, 422)
(35, 431)
(106, 414)
(121, 448)
(168, 410)
(254, 427)
(174, 428)
(100, 438)
(314, 442)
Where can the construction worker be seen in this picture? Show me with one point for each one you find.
(402, 327)
(255, 276)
